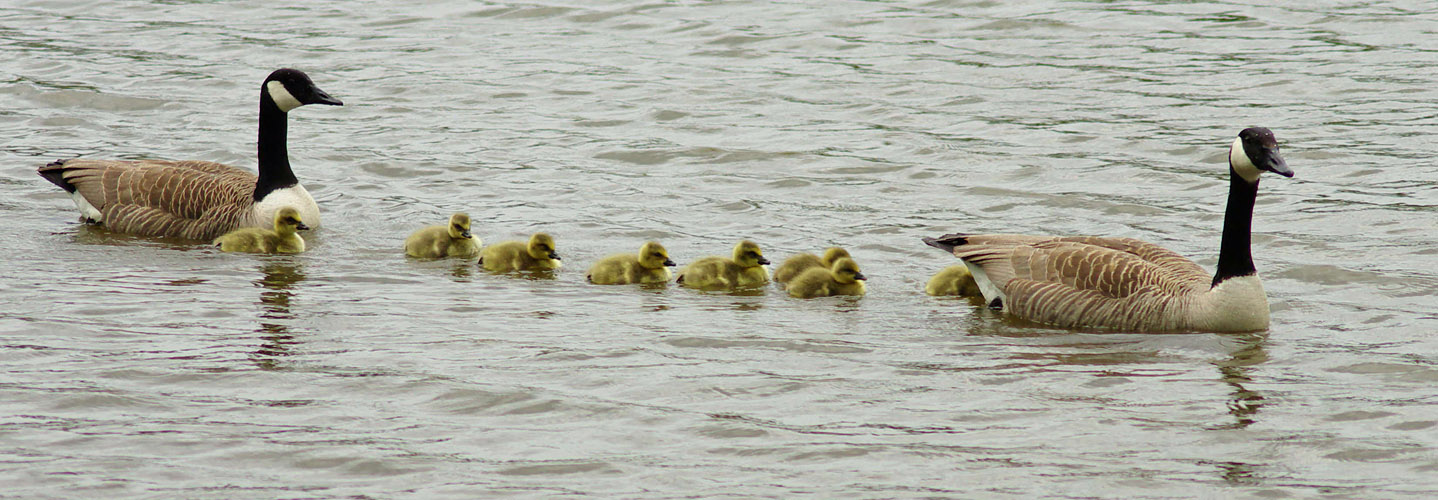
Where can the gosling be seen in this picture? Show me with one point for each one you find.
(745, 269)
(797, 264)
(281, 239)
(537, 255)
(953, 280)
(842, 279)
(435, 242)
(650, 265)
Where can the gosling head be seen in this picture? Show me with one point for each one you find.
(459, 226)
(653, 256)
(747, 254)
(288, 89)
(287, 220)
(833, 254)
(846, 271)
(541, 246)
(1254, 151)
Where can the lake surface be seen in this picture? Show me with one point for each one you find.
(144, 368)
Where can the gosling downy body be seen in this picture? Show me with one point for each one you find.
(1127, 284)
(805, 261)
(844, 278)
(282, 239)
(744, 269)
(450, 240)
(198, 199)
(536, 255)
(650, 265)
(953, 280)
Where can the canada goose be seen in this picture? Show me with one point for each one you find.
(537, 254)
(451, 240)
(953, 280)
(1122, 283)
(843, 278)
(745, 269)
(650, 265)
(281, 239)
(803, 261)
(198, 199)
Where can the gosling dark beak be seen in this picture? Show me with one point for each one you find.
(763, 261)
(302, 227)
(321, 97)
(860, 276)
(1272, 162)
(669, 263)
(465, 234)
(554, 256)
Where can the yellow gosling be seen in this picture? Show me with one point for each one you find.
(842, 279)
(953, 280)
(452, 240)
(799, 263)
(282, 239)
(537, 254)
(650, 265)
(745, 269)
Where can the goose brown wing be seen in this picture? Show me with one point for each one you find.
(1112, 272)
(187, 199)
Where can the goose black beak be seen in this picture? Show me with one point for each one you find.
(669, 263)
(763, 261)
(321, 97)
(554, 256)
(860, 276)
(302, 227)
(1274, 163)
(465, 234)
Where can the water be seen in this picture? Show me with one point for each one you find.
(140, 368)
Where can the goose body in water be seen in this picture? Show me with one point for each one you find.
(1127, 284)
(198, 199)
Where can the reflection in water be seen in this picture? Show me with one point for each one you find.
(462, 271)
(1245, 403)
(278, 281)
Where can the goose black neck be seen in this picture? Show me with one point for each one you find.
(274, 157)
(1235, 257)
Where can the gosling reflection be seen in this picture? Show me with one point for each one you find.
(277, 284)
(1244, 403)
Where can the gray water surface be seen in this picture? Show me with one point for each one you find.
(144, 368)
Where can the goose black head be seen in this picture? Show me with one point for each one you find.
(1254, 151)
(292, 88)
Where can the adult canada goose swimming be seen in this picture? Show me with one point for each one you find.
(449, 240)
(198, 199)
(537, 254)
(650, 265)
(798, 263)
(1127, 284)
(745, 269)
(843, 278)
(282, 239)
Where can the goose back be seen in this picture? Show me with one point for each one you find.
(1089, 281)
(185, 199)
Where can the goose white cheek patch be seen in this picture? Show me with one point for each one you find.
(1240, 162)
(281, 96)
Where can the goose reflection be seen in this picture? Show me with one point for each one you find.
(1244, 403)
(277, 285)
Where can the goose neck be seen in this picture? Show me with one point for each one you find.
(274, 158)
(1235, 257)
